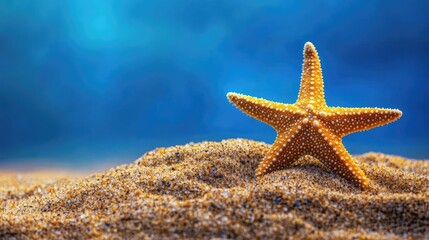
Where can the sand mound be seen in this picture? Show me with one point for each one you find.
(208, 190)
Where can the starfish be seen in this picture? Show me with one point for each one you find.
(310, 127)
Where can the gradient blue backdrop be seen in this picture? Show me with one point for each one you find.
(85, 82)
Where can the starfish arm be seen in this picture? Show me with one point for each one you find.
(278, 115)
(286, 150)
(344, 121)
(328, 148)
(311, 92)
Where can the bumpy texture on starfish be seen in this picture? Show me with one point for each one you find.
(310, 127)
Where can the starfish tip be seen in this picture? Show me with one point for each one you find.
(309, 46)
(309, 50)
(230, 95)
(396, 113)
(399, 113)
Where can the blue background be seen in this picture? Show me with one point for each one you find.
(90, 83)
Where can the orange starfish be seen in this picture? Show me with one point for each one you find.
(310, 127)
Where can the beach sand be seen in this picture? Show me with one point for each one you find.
(208, 190)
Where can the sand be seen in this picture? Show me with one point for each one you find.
(208, 190)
